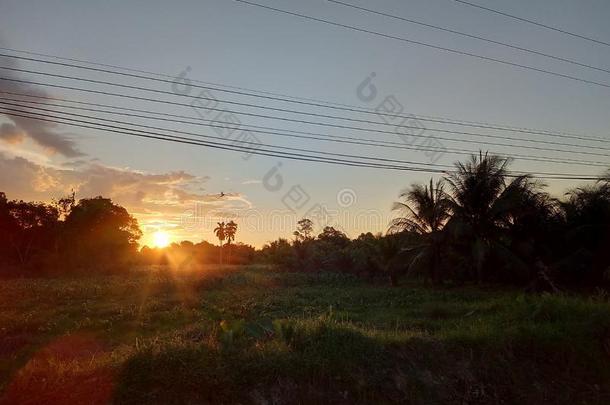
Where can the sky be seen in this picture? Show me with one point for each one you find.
(185, 189)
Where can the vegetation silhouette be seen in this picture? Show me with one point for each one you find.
(478, 223)
(425, 211)
(92, 234)
(230, 231)
(219, 231)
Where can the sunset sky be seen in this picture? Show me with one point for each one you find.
(176, 188)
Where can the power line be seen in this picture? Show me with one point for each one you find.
(396, 127)
(326, 103)
(437, 47)
(173, 77)
(208, 136)
(534, 23)
(492, 41)
(285, 110)
(273, 131)
(153, 135)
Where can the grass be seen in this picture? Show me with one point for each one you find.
(252, 335)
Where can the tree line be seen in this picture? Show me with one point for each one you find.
(478, 224)
(187, 255)
(67, 235)
(95, 235)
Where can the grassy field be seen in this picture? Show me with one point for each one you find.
(252, 335)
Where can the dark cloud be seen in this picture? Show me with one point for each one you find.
(43, 133)
(10, 133)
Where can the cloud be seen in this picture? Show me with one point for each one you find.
(151, 197)
(43, 133)
(9, 133)
(251, 182)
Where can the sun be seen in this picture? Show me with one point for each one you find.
(160, 239)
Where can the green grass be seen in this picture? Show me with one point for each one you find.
(252, 335)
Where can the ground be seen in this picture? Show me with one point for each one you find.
(255, 335)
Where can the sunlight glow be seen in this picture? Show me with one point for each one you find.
(160, 239)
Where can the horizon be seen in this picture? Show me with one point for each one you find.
(175, 188)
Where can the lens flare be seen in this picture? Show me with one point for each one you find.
(160, 239)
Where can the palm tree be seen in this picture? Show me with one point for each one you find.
(587, 233)
(230, 231)
(220, 234)
(425, 211)
(485, 202)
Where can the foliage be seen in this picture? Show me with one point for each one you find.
(100, 234)
(479, 223)
(253, 335)
(230, 230)
(304, 229)
(93, 234)
(189, 256)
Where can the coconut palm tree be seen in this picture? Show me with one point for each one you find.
(485, 201)
(230, 231)
(587, 234)
(424, 211)
(220, 234)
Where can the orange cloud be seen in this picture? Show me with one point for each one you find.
(153, 198)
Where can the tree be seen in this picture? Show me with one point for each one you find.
(334, 237)
(586, 256)
(65, 205)
(483, 203)
(280, 253)
(331, 251)
(219, 231)
(230, 231)
(378, 254)
(100, 233)
(304, 229)
(535, 226)
(29, 228)
(424, 211)
(7, 226)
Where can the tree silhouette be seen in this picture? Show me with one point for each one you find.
(230, 231)
(100, 234)
(94, 234)
(380, 254)
(30, 229)
(587, 234)
(304, 229)
(65, 205)
(484, 202)
(425, 210)
(479, 223)
(219, 231)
